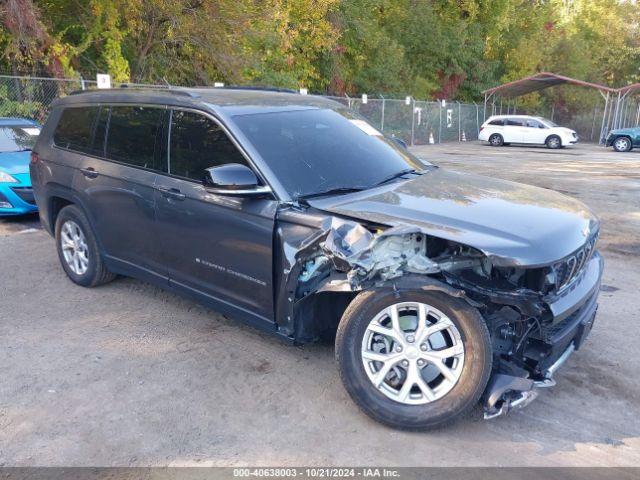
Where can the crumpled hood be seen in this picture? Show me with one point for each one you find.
(15, 162)
(512, 223)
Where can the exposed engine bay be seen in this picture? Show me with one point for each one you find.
(532, 333)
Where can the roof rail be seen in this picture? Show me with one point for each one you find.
(266, 88)
(175, 90)
(186, 91)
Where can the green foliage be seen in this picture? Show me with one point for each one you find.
(426, 48)
(18, 108)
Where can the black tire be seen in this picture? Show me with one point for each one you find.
(454, 404)
(496, 140)
(96, 272)
(622, 144)
(553, 142)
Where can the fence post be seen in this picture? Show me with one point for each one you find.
(477, 119)
(382, 119)
(413, 119)
(18, 88)
(439, 120)
(82, 87)
(459, 121)
(605, 118)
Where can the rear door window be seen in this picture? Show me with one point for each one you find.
(75, 128)
(514, 122)
(197, 143)
(133, 134)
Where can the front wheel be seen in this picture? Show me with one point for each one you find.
(413, 359)
(553, 142)
(622, 144)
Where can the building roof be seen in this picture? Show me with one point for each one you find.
(632, 89)
(538, 82)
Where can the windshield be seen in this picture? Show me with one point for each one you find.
(548, 122)
(17, 139)
(317, 150)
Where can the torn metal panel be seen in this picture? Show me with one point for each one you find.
(382, 256)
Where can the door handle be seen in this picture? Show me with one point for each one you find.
(171, 193)
(89, 172)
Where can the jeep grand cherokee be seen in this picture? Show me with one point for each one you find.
(293, 214)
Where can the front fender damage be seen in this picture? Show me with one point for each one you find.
(334, 258)
(343, 256)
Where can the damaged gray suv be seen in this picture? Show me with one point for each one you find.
(291, 213)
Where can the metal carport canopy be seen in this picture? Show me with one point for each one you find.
(538, 82)
(543, 80)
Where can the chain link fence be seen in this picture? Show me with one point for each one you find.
(414, 121)
(419, 122)
(31, 97)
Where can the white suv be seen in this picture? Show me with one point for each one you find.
(505, 129)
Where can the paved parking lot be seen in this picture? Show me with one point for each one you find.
(127, 374)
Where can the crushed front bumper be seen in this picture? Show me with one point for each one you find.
(573, 316)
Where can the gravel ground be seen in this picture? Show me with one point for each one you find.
(127, 374)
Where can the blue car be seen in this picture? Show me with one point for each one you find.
(17, 137)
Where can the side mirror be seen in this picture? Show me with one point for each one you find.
(233, 179)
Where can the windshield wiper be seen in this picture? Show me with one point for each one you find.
(332, 191)
(396, 175)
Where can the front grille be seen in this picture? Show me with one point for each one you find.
(570, 267)
(25, 193)
(554, 332)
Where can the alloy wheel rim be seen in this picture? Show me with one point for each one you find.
(74, 247)
(554, 142)
(495, 140)
(621, 144)
(412, 353)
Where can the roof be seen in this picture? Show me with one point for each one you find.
(233, 100)
(633, 88)
(16, 122)
(538, 82)
(515, 116)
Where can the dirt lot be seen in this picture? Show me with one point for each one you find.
(128, 374)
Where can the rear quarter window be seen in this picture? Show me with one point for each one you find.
(496, 122)
(75, 128)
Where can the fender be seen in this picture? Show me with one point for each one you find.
(56, 190)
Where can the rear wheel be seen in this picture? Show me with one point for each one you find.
(413, 359)
(622, 144)
(78, 250)
(554, 142)
(496, 140)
